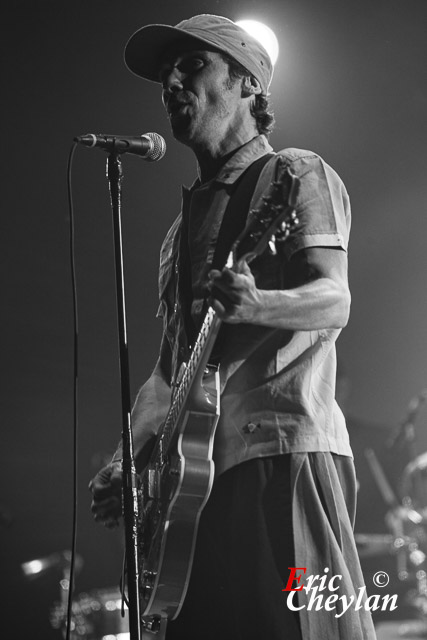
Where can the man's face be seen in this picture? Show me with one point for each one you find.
(201, 100)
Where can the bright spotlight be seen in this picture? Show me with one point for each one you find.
(264, 35)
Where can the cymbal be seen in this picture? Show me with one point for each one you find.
(418, 464)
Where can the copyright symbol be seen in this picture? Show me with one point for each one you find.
(381, 579)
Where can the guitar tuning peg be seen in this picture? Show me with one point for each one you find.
(272, 245)
(284, 226)
(282, 236)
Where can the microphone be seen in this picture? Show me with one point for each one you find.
(149, 146)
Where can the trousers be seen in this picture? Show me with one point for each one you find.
(245, 548)
(258, 516)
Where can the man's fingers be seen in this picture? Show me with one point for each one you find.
(223, 279)
(110, 521)
(101, 492)
(230, 283)
(217, 307)
(226, 313)
(106, 509)
(107, 480)
(243, 267)
(108, 503)
(225, 288)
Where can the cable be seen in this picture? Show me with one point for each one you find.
(75, 390)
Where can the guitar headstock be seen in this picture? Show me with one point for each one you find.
(273, 221)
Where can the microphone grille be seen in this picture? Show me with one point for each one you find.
(158, 147)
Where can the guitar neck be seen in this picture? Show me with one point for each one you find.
(202, 348)
(190, 379)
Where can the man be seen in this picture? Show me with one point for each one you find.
(284, 489)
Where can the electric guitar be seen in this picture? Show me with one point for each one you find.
(177, 481)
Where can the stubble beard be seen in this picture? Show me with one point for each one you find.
(180, 125)
(191, 128)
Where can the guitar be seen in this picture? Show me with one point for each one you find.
(177, 481)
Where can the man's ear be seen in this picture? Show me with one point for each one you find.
(250, 86)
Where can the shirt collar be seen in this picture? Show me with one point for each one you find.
(238, 162)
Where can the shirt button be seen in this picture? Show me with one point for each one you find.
(175, 307)
(250, 427)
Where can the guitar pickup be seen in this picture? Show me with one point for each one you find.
(154, 484)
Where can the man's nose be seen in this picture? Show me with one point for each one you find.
(173, 81)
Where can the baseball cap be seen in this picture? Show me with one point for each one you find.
(145, 47)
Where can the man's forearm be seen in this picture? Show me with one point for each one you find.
(149, 411)
(321, 304)
(320, 301)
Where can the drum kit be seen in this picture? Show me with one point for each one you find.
(405, 538)
(406, 542)
(96, 615)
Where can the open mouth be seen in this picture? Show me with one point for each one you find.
(176, 108)
(176, 113)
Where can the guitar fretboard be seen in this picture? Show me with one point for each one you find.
(191, 372)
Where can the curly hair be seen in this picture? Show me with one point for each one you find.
(261, 108)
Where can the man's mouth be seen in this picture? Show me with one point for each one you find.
(176, 107)
(178, 110)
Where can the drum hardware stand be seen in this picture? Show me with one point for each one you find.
(404, 436)
(407, 520)
(394, 523)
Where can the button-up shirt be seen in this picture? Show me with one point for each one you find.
(277, 386)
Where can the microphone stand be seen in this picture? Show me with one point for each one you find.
(130, 493)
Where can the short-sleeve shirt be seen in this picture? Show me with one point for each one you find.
(277, 386)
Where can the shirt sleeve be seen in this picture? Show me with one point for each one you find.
(322, 208)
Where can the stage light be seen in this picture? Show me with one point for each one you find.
(33, 567)
(264, 35)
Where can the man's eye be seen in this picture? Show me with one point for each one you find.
(190, 65)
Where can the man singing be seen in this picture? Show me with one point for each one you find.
(284, 490)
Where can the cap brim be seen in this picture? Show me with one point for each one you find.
(145, 48)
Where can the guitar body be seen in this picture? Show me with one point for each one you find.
(172, 498)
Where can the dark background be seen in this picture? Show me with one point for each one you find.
(350, 84)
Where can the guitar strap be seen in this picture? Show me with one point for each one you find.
(237, 210)
(233, 222)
